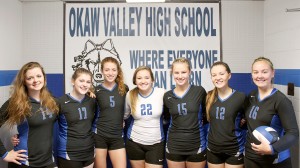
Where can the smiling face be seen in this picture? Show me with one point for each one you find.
(181, 73)
(82, 84)
(144, 81)
(262, 74)
(110, 72)
(220, 76)
(34, 80)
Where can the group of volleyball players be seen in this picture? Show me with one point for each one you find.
(213, 129)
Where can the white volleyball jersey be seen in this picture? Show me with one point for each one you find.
(146, 126)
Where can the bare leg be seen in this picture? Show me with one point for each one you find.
(233, 166)
(173, 164)
(210, 165)
(137, 163)
(195, 164)
(148, 165)
(100, 158)
(118, 158)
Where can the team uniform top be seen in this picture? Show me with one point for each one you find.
(75, 128)
(275, 111)
(186, 134)
(146, 127)
(35, 135)
(225, 134)
(110, 117)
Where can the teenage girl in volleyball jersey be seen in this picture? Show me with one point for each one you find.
(145, 143)
(225, 110)
(186, 139)
(34, 110)
(75, 146)
(269, 107)
(110, 97)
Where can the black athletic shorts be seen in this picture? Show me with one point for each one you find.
(189, 158)
(153, 154)
(108, 143)
(63, 163)
(219, 158)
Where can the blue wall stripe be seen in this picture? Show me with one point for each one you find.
(7, 77)
(242, 82)
(285, 76)
(239, 81)
(55, 82)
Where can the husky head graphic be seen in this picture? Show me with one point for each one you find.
(92, 55)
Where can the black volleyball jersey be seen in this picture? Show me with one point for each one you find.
(186, 134)
(275, 111)
(111, 111)
(225, 134)
(35, 135)
(75, 139)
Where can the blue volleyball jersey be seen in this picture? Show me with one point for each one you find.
(75, 139)
(225, 134)
(186, 134)
(35, 134)
(276, 111)
(111, 111)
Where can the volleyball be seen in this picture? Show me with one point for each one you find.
(266, 133)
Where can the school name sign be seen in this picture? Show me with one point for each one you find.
(152, 34)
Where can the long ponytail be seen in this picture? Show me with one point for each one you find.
(211, 98)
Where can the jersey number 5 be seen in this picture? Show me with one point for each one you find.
(112, 101)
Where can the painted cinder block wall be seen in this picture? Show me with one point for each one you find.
(11, 52)
(282, 45)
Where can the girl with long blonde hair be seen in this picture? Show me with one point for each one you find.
(145, 136)
(269, 107)
(186, 143)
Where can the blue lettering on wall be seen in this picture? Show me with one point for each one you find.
(126, 21)
(158, 21)
(116, 24)
(198, 58)
(84, 21)
(191, 22)
(151, 58)
(160, 79)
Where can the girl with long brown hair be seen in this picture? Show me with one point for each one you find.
(225, 111)
(32, 108)
(110, 97)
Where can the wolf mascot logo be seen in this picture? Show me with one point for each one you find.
(92, 55)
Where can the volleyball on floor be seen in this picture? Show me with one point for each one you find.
(266, 134)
